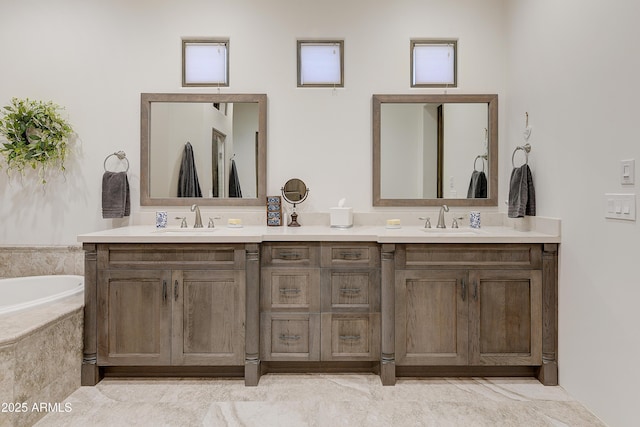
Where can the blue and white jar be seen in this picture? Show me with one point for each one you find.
(474, 219)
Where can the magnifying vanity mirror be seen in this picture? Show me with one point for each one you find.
(430, 150)
(295, 191)
(216, 142)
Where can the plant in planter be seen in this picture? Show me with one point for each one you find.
(36, 135)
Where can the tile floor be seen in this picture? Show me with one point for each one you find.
(322, 400)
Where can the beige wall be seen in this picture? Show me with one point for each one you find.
(96, 59)
(574, 67)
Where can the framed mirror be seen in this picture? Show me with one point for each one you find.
(430, 150)
(214, 143)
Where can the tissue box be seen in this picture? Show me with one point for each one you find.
(341, 217)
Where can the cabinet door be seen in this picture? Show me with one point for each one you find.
(134, 317)
(350, 337)
(505, 312)
(208, 317)
(431, 317)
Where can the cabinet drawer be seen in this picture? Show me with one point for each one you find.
(177, 256)
(350, 290)
(350, 255)
(290, 289)
(350, 336)
(469, 255)
(291, 254)
(287, 336)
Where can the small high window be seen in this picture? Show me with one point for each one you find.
(205, 62)
(434, 63)
(320, 63)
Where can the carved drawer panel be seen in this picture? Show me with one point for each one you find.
(350, 290)
(350, 336)
(352, 254)
(288, 336)
(291, 254)
(471, 255)
(290, 289)
(182, 256)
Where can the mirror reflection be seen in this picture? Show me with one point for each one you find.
(205, 149)
(435, 149)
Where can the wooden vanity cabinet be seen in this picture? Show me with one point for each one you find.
(320, 302)
(479, 305)
(170, 305)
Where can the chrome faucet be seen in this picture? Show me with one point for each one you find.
(443, 209)
(195, 208)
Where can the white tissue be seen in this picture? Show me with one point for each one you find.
(341, 202)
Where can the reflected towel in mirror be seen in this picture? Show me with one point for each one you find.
(477, 186)
(234, 181)
(188, 184)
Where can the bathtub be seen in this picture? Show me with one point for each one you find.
(25, 292)
(40, 342)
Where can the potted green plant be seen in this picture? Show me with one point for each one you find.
(36, 135)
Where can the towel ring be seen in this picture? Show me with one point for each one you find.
(121, 155)
(476, 160)
(526, 148)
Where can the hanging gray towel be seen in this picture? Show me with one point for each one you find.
(188, 184)
(522, 194)
(477, 186)
(115, 195)
(234, 181)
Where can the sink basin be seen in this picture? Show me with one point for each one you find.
(451, 231)
(184, 230)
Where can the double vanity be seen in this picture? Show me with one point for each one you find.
(409, 301)
(247, 301)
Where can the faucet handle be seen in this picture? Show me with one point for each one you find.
(427, 221)
(454, 223)
(183, 223)
(211, 224)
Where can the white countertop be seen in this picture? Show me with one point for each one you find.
(364, 233)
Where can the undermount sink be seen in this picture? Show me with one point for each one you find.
(452, 231)
(184, 230)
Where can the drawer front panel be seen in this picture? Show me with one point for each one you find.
(350, 290)
(291, 289)
(179, 256)
(350, 336)
(290, 337)
(294, 255)
(475, 256)
(350, 255)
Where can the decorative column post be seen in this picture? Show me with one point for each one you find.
(548, 372)
(90, 373)
(388, 357)
(252, 325)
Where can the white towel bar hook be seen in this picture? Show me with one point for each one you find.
(527, 149)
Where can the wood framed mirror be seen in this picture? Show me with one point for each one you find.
(227, 135)
(428, 149)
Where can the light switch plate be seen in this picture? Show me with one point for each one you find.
(628, 172)
(620, 206)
